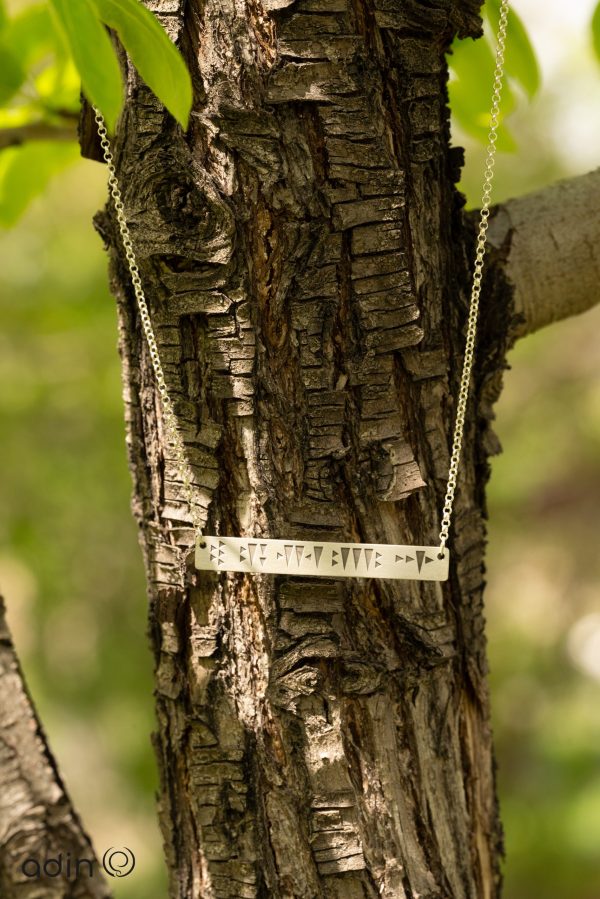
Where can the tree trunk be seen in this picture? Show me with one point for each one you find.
(44, 851)
(303, 253)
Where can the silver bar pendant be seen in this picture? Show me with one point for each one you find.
(321, 559)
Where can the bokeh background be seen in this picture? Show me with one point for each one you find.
(71, 570)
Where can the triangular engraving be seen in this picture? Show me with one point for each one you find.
(299, 558)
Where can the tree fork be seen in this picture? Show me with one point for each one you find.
(305, 260)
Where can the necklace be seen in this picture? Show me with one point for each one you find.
(324, 559)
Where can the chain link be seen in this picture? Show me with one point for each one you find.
(170, 421)
(484, 215)
(174, 438)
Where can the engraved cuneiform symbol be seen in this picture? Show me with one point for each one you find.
(348, 560)
(422, 557)
(217, 553)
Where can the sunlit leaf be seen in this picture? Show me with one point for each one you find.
(93, 55)
(470, 91)
(12, 73)
(32, 35)
(14, 116)
(58, 86)
(520, 58)
(25, 172)
(596, 31)
(3, 16)
(152, 52)
(476, 124)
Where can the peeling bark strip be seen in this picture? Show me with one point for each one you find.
(37, 820)
(302, 251)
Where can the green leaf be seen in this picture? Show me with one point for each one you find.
(25, 172)
(32, 35)
(12, 73)
(470, 91)
(520, 58)
(3, 16)
(476, 124)
(596, 31)
(152, 52)
(93, 55)
(58, 87)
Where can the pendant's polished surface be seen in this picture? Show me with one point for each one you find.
(321, 559)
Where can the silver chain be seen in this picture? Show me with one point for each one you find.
(174, 438)
(465, 378)
(170, 420)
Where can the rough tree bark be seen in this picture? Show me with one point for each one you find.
(306, 261)
(37, 820)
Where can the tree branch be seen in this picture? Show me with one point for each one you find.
(37, 820)
(550, 241)
(14, 137)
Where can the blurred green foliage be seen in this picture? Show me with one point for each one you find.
(49, 50)
(544, 613)
(596, 31)
(543, 595)
(40, 38)
(70, 566)
(472, 65)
